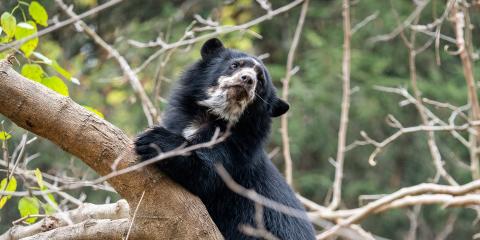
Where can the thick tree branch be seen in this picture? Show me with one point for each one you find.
(92, 229)
(167, 211)
(87, 211)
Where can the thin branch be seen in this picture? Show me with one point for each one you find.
(132, 221)
(407, 22)
(342, 131)
(448, 228)
(218, 31)
(440, 190)
(148, 107)
(286, 81)
(420, 128)
(458, 19)
(432, 145)
(60, 24)
(255, 197)
(364, 22)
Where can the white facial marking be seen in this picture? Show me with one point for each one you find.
(219, 102)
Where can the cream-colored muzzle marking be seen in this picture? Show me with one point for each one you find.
(218, 101)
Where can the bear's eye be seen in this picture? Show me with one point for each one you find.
(261, 77)
(234, 65)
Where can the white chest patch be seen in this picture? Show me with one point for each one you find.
(190, 130)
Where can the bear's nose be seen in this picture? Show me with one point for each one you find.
(247, 79)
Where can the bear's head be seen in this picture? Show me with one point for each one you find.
(234, 83)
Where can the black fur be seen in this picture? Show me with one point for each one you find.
(241, 154)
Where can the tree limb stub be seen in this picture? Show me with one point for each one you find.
(167, 210)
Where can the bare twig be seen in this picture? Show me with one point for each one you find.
(448, 228)
(413, 218)
(407, 22)
(284, 119)
(218, 31)
(342, 131)
(458, 19)
(60, 24)
(432, 145)
(445, 194)
(364, 22)
(255, 197)
(134, 215)
(148, 107)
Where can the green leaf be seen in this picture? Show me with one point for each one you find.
(8, 23)
(33, 72)
(4, 136)
(56, 84)
(52, 198)
(12, 186)
(38, 13)
(23, 30)
(47, 208)
(4, 39)
(93, 110)
(63, 72)
(39, 177)
(28, 206)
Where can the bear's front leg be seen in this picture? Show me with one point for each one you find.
(187, 170)
(157, 140)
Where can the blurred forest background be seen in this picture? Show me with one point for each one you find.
(315, 94)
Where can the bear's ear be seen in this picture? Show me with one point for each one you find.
(211, 47)
(279, 108)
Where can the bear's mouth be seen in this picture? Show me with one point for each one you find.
(237, 92)
(228, 100)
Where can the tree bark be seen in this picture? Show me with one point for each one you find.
(167, 211)
(92, 229)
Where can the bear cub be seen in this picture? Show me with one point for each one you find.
(227, 90)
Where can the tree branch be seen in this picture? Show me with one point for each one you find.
(87, 211)
(458, 19)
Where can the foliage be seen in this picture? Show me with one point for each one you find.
(8, 185)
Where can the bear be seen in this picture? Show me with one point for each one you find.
(231, 91)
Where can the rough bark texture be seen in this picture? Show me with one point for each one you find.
(167, 211)
(92, 229)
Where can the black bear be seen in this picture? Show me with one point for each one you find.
(226, 89)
